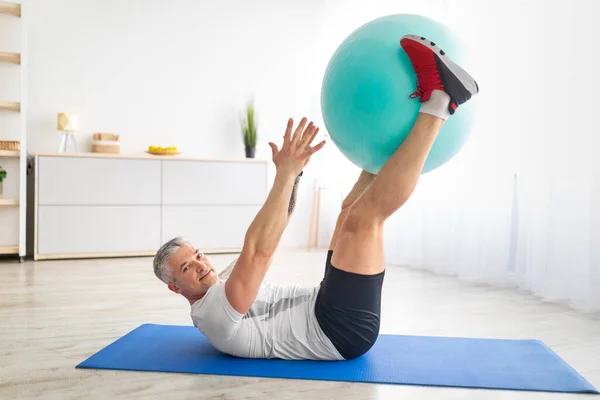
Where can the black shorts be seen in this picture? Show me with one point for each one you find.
(348, 309)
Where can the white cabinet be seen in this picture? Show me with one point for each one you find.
(209, 227)
(213, 183)
(98, 230)
(97, 181)
(91, 205)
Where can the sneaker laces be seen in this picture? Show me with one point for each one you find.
(428, 78)
(417, 93)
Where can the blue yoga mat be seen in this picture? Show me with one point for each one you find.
(409, 360)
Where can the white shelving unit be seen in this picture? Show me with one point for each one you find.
(9, 108)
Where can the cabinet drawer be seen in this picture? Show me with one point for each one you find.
(208, 227)
(98, 181)
(214, 183)
(96, 229)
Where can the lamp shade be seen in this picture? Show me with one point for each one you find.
(67, 122)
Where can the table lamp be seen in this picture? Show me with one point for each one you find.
(68, 124)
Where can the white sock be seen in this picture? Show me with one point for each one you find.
(437, 105)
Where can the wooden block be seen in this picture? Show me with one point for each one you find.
(10, 106)
(106, 136)
(14, 58)
(8, 202)
(9, 249)
(106, 143)
(10, 8)
(99, 148)
(10, 145)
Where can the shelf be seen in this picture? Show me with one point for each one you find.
(10, 8)
(10, 106)
(9, 249)
(9, 153)
(14, 58)
(9, 202)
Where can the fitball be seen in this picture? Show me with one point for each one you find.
(366, 88)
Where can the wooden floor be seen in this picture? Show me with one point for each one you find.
(54, 314)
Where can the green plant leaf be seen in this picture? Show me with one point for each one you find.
(249, 126)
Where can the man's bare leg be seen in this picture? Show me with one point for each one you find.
(364, 181)
(359, 247)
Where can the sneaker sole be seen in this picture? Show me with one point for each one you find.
(466, 80)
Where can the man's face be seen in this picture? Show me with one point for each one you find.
(192, 273)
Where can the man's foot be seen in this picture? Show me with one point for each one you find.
(437, 72)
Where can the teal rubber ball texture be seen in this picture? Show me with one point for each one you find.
(366, 88)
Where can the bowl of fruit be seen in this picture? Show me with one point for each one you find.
(163, 151)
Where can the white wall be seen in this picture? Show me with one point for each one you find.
(179, 72)
(176, 73)
(170, 73)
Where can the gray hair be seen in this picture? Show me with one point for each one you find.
(161, 259)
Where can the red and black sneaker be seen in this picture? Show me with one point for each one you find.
(436, 71)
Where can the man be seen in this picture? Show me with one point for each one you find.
(338, 319)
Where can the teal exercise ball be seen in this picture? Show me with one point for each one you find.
(366, 88)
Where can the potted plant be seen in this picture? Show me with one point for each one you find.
(2, 177)
(248, 123)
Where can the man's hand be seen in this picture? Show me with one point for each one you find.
(296, 150)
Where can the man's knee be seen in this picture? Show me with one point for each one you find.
(360, 218)
(347, 203)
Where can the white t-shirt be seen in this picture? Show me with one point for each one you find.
(280, 324)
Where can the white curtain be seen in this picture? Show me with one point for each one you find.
(520, 205)
(537, 228)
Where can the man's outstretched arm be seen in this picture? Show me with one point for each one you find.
(224, 274)
(266, 230)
